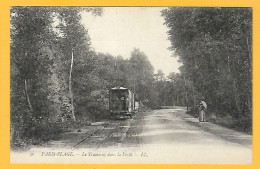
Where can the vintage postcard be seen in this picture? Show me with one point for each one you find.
(119, 84)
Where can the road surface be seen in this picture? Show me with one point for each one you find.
(167, 136)
(182, 139)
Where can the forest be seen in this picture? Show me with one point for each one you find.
(215, 47)
(58, 81)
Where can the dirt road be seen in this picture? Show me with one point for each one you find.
(159, 136)
(182, 139)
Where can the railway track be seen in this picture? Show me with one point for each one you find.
(109, 134)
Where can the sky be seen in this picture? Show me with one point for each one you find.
(121, 29)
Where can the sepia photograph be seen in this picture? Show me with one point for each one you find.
(131, 85)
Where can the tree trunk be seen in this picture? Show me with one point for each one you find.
(70, 89)
(27, 96)
(177, 100)
(194, 97)
(236, 97)
(164, 94)
(186, 94)
(228, 64)
(249, 95)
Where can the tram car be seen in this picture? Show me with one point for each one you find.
(121, 102)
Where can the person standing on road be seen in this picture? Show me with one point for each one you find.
(202, 111)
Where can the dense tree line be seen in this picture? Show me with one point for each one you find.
(43, 41)
(215, 47)
(58, 80)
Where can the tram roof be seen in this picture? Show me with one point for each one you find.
(119, 88)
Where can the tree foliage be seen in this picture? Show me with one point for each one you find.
(214, 45)
(40, 58)
(51, 59)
